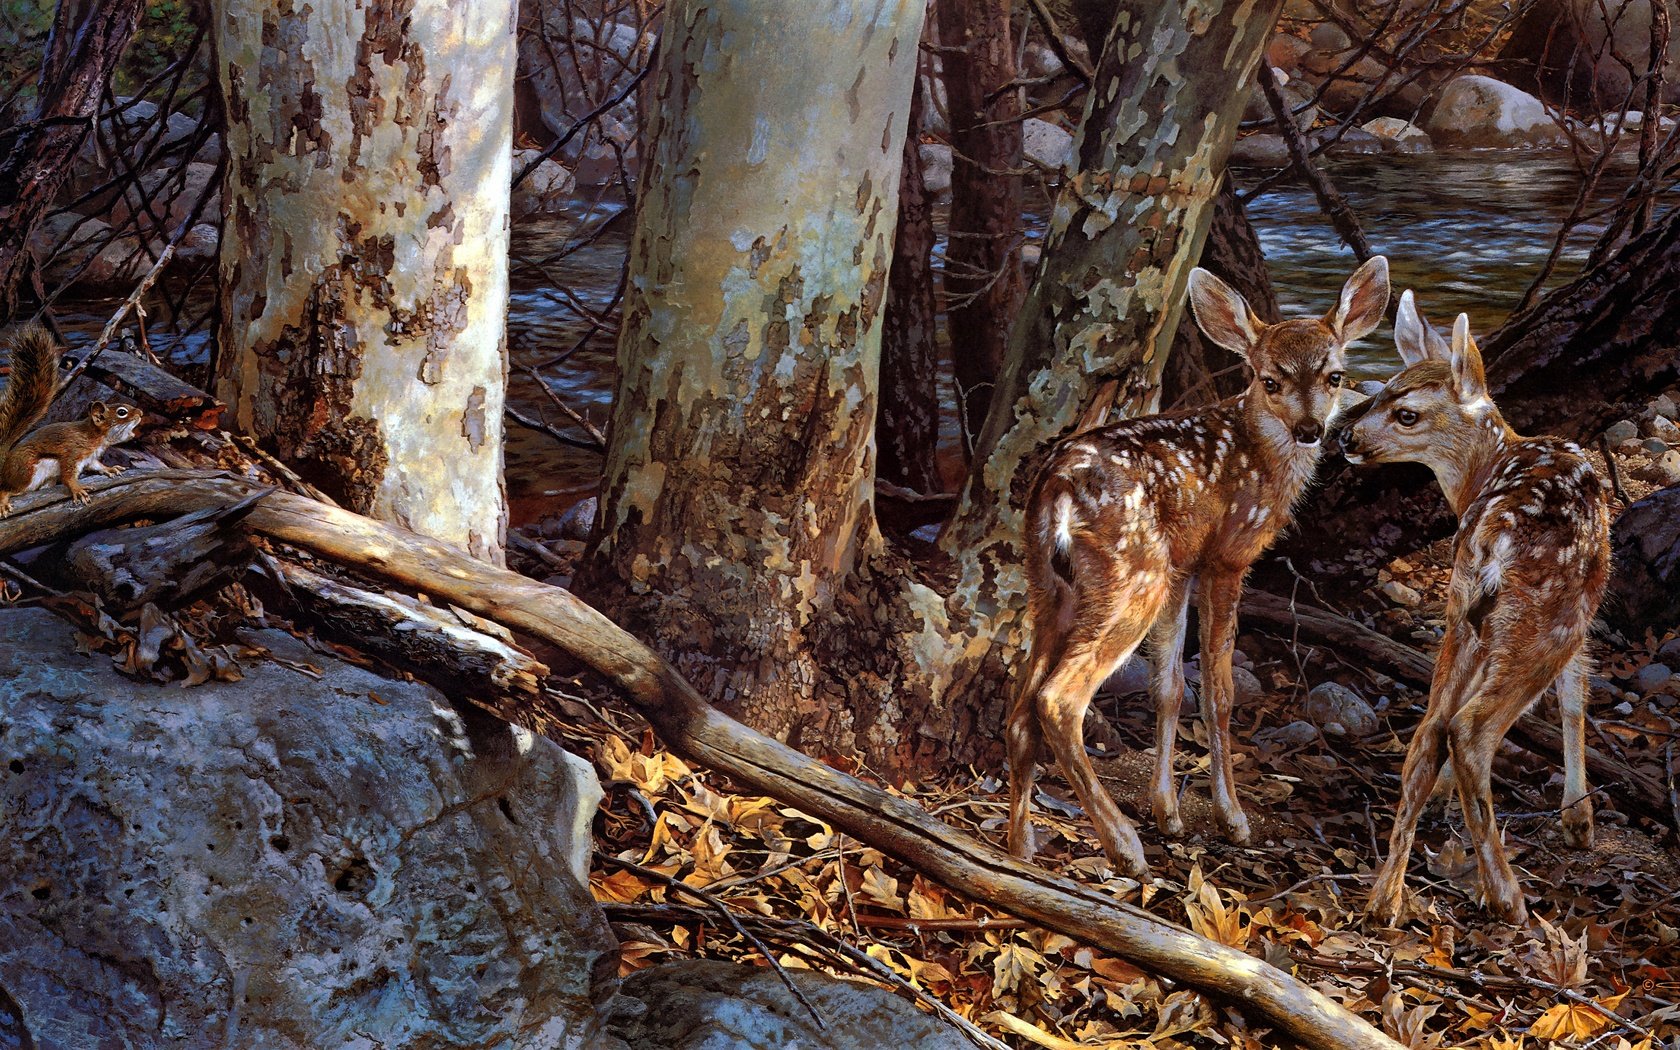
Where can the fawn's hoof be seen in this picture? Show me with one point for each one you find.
(1508, 905)
(1235, 826)
(1172, 826)
(1578, 833)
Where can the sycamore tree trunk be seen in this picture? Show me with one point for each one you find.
(364, 251)
(1125, 232)
(737, 529)
(87, 40)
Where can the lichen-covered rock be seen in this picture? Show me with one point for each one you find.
(701, 1005)
(1484, 113)
(286, 861)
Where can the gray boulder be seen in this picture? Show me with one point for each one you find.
(1398, 136)
(936, 167)
(548, 190)
(286, 861)
(1584, 54)
(1045, 144)
(1484, 113)
(1340, 711)
(700, 1005)
(1260, 150)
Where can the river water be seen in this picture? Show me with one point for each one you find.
(1468, 232)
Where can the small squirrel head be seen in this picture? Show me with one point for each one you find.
(119, 422)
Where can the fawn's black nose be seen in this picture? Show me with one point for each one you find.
(1309, 431)
(1347, 441)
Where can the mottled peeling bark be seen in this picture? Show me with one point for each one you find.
(737, 529)
(364, 250)
(1104, 305)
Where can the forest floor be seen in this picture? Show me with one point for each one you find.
(1596, 965)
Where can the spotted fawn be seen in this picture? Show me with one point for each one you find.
(1530, 564)
(1122, 518)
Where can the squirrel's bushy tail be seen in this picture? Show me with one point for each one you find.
(29, 391)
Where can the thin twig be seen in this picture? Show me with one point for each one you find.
(729, 916)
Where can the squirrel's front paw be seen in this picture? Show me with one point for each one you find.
(108, 470)
(80, 495)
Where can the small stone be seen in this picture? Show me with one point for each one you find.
(1295, 734)
(578, 519)
(1629, 447)
(1340, 711)
(1652, 677)
(1240, 659)
(1401, 565)
(1260, 150)
(1328, 36)
(1045, 144)
(936, 167)
(1655, 446)
(1665, 407)
(1400, 594)
(1130, 680)
(1623, 709)
(1245, 686)
(1669, 651)
(1621, 430)
(1662, 427)
(1667, 468)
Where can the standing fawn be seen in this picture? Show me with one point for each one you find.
(1530, 563)
(1123, 516)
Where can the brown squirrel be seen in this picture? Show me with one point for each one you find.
(62, 448)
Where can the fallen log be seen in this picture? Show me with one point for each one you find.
(693, 728)
(168, 565)
(435, 644)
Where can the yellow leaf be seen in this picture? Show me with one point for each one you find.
(880, 888)
(1569, 1021)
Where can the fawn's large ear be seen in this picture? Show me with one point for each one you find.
(1223, 314)
(1364, 301)
(1415, 338)
(1466, 359)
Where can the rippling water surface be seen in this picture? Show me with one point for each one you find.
(1467, 232)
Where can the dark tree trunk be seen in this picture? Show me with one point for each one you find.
(1583, 356)
(1199, 370)
(907, 422)
(984, 284)
(88, 38)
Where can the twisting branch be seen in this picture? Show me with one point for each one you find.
(1329, 198)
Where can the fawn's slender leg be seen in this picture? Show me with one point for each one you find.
(1024, 737)
(1061, 705)
(1220, 593)
(1478, 727)
(1166, 688)
(1456, 667)
(1577, 796)
(1116, 610)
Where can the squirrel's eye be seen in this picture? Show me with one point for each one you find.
(1405, 416)
(1336, 379)
(1270, 384)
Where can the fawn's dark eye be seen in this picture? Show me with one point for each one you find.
(1405, 416)
(1336, 378)
(1270, 384)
